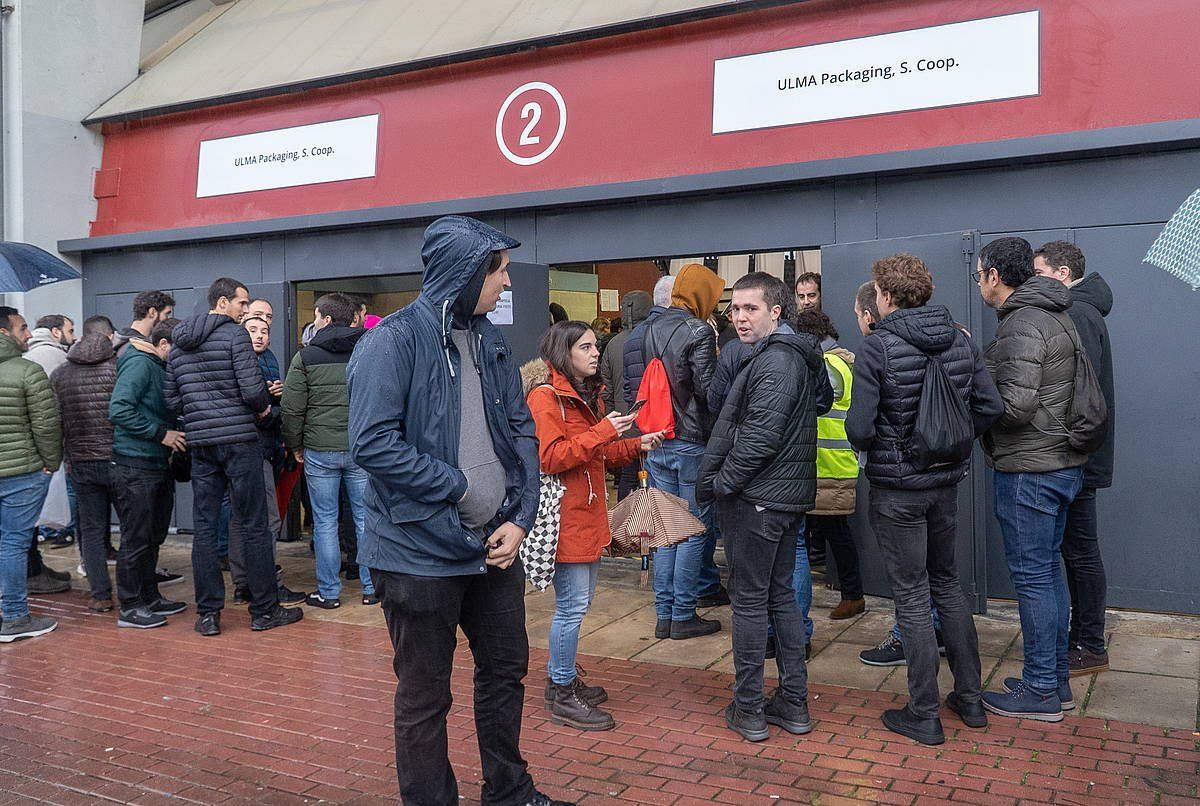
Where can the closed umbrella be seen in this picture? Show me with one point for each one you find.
(1177, 248)
(649, 519)
(24, 267)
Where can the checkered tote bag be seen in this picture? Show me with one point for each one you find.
(540, 546)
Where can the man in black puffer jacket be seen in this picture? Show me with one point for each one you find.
(214, 381)
(761, 467)
(914, 511)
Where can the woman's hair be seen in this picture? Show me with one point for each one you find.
(601, 325)
(555, 350)
(557, 313)
(815, 323)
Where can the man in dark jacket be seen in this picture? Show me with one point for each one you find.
(315, 422)
(149, 308)
(1037, 471)
(687, 345)
(83, 386)
(914, 510)
(1091, 301)
(439, 423)
(145, 433)
(214, 381)
(760, 467)
(635, 307)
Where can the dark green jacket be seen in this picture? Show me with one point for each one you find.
(30, 436)
(138, 413)
(315, 403)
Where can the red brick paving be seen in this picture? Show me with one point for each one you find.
(91, 713)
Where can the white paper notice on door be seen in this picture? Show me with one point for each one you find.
(503, 315)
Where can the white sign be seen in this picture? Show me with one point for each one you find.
(960, 63)
(284, 158)
(533, 144)
(503, 315)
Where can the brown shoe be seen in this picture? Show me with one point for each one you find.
(99, 605)
(848, 608)
(1083, 662)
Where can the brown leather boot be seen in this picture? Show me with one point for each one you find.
(568, 708)
(848, 608)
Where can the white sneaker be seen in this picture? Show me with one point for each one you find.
(80, 570)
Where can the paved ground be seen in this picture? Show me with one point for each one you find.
(302, 714)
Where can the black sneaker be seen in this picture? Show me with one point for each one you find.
(662, 628)
(61, 541)
(718, 598)
(165, 607)
(163, 577)
(972, 715)
(315, 599)
(241, 596)
(370, 599)
(751, 727)
(278, 617)
(693, 628)
(208, 624)
(789, 716)
(291, 598)
(906, 723)
(889, 652)
(141, 618)
(43, 583)
(61, 576)
(539, 799)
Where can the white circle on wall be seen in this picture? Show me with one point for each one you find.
(532, 112)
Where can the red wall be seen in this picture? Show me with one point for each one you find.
(640, 107)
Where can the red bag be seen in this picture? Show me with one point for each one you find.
(658, 413)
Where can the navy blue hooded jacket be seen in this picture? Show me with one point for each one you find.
(405, 407)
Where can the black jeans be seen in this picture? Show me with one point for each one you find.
(94, 493)
(833, 531)
(145, 498)
(423, 616)
(1085, 573)
(238, 468)
(760, 549)
(627, 480)
(916, 534)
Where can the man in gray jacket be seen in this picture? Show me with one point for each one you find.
(635, 307)
(1037, 472)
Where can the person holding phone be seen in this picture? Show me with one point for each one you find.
(577, 442)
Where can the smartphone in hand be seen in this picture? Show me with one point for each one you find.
(636, 407)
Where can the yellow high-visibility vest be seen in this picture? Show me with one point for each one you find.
(835, 457)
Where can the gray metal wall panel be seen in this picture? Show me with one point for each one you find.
(197, 265)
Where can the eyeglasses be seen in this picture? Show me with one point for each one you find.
(978, 275)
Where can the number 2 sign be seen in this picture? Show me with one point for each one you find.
(525, 122)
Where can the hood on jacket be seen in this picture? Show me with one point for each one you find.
(191, 333)
(1038, 292)
(143, 346)
(42, 337)
(92, 349)
(803, 343)
(635, 307)
(698, 289)
(1095, 292)
(337, 338)
(456, 252)
(533, 374)
(929, 328)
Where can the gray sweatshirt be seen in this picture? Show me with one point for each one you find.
(487, 481)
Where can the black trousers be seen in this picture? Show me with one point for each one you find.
(1086, 579)
(423, 616)
(760, 548)
(145, 498)
(833, 531)
(916, 534)
(94, 494)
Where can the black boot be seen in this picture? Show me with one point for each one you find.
(904, 722)
(592, 695)
(662, 628)
(751, 727)
(972, 714)
(694, 628)
(568, 708)
(789, 716)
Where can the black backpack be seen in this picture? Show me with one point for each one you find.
(1086, 425)
(943, 432)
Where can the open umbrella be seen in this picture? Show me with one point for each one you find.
(24, 267)
(649, 519)
(1177, 248)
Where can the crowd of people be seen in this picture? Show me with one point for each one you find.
(442, 443)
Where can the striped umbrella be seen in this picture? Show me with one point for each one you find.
(1177, 248)
(649, 519)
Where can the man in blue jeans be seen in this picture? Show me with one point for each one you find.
(315, 416)
(687, 346)
(1037, 472)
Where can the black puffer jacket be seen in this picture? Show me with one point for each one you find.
(213, 380)
(764, 446)
(1091, 301)
(1032, 361)
(688, 349)
(83, 387)
(889, 372)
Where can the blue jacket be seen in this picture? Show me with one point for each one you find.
(405, 417)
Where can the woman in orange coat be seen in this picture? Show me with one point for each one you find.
(577, 442)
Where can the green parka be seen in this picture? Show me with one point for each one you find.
(30, 435)
(315, 402)
(137, 410)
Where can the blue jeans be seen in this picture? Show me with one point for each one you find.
(1032, 511)
(325, 471)
(574, 588)
(673, 468)
(937, 623)
(802, 582)
(21, 499)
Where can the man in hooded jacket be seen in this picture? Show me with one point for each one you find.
(687, 345)
(635, 307)
(439, 423)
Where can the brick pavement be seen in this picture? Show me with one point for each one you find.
(92, 714)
